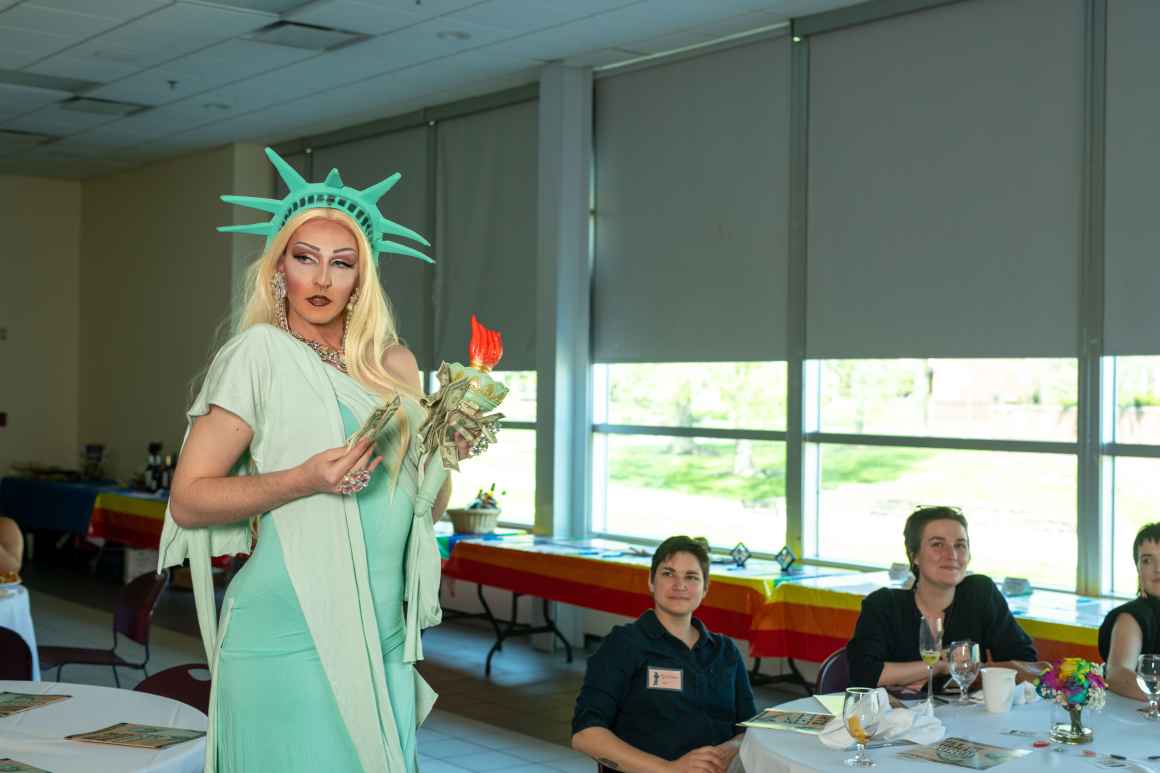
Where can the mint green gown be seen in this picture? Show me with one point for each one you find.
(277, 711)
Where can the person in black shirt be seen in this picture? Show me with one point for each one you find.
(664, 693)
(884, 650)
(1133, 629)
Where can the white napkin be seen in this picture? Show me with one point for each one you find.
(918, 725)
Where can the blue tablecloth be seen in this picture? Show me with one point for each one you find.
(46, 504)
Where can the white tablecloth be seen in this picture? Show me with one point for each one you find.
(1119, 729)
(16, 614)
(36, 737)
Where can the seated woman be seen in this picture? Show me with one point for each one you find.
(884, 650)
(11, 550)
(1133, 629)
(663, 692)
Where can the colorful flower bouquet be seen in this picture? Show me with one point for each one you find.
(1073, 684)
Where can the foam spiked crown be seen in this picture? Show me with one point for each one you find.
(331, 193)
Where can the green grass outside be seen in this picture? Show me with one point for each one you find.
(709, 469)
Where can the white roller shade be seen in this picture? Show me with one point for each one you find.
(945, 161)
(486, 192)
(407, 281)
(691, 191)
(1132, 279)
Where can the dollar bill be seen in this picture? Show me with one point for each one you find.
(375, 424)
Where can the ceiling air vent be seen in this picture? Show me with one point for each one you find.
(100, 106)
(308, 36)
(14, 139)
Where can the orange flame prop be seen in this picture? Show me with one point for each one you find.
(486, 347)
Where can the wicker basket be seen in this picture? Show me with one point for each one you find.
(478, 521)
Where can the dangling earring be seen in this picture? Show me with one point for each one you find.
(349, 313)
(278, 286)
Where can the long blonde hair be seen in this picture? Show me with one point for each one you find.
(370, 324)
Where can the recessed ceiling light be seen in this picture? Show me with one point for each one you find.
(453, 35)
(100, 106)
(308, 36)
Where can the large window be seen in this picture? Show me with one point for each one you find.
(692, 448)
(994, 437)
(510, 464)
(1132, 465)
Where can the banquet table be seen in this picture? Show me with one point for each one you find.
(48, 504)
(1118, 729)
(16, 614)
(811, 617)
(612, 576)
(36, 737)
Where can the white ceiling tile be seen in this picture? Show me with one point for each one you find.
(15, 59)
(39, 43)
(157, 86)
(236, 59)
(172, 32)
(23, 99)
(704, 33)
(428, 9)
(92, 68)
(450, 71)
(149, 125)
(357, 17)
(210, 68)
(422, 43)
(109, 9)
(56, 22)
(522, 16)
(55, 121)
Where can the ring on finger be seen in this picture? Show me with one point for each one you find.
(354, 482)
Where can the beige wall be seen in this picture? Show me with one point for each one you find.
(40, 223)
(156, 279)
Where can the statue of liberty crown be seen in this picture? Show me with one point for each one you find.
(332, 193)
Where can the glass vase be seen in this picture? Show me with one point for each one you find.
(1067, 724)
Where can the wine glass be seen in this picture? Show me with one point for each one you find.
(930, 634)
(861, 712)
(963, 657)
(1148, 677)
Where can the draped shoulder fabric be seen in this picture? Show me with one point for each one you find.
(291, 400)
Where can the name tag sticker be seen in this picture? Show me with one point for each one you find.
(664, 678)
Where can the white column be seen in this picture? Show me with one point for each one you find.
(563, 347)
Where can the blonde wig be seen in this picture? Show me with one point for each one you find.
(370, 324)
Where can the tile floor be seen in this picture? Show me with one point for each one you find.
(519, 719)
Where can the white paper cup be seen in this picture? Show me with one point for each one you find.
(998, 689)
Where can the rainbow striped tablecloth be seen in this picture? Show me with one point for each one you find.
(129, 517)
(801, 616)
